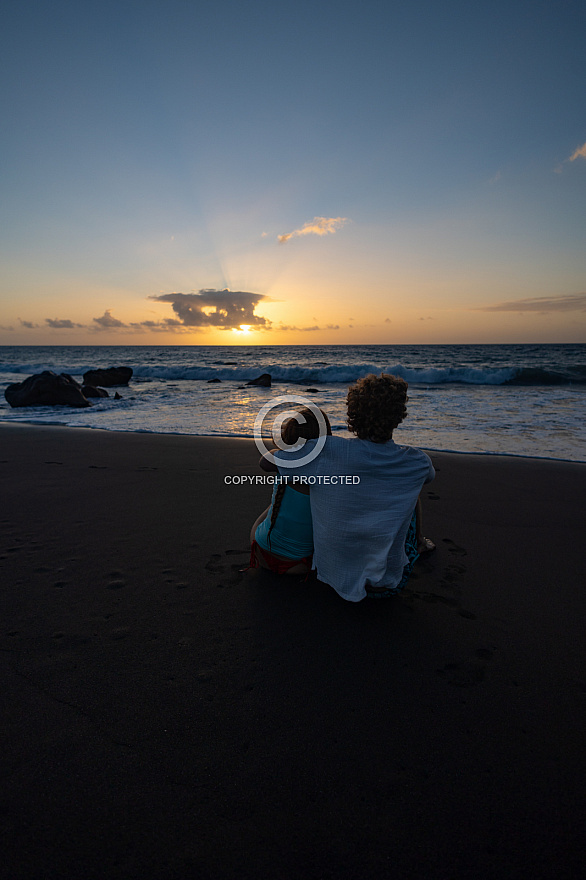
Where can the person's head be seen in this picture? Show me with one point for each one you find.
(291, 431)
(376, 405)
(309, 429)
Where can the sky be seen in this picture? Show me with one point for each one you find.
(185, 172)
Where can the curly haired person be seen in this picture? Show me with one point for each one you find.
(364, 495)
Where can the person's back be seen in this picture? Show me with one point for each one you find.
(291, 534)
(364, 492)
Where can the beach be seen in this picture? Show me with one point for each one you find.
(168, 715)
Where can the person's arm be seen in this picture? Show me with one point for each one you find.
(267, 465)
(431, 472)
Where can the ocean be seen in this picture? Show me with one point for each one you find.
(527, 400)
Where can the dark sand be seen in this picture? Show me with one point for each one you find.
(169, 717)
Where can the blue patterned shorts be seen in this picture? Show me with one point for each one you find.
(412, 555)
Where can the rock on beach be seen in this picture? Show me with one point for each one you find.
(109, 377)
(46, 389)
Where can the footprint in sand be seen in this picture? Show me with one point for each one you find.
(449, 582)
(454, 549)
(436, 597)
(212, 563)
(468, 673)
(453, 573)
(231, 573)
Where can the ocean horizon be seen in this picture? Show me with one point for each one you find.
(519, 399)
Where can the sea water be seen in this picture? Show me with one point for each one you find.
(525, 400)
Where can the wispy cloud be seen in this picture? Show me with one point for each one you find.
(289, 327)
(317, 226)
(225, 309)
(571, 303)
(579, 153)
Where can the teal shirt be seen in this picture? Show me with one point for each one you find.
(292, 534)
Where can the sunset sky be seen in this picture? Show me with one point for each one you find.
(315, 172)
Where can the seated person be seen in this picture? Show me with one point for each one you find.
(363, 494)
(282, 536)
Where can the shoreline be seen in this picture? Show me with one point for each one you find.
(428, 449)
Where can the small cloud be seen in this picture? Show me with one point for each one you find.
(61, 323)
(107, 322)
(387, 320)
(4, 327)
(298, 329)
(264, 234)
(495, 178)
(311, 329)
(28, 324)
(579, 153)
(317, 226)
(225, 309)
(166, 326)
(572, 303)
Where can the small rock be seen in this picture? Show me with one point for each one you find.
(92, 391)
(263, 381)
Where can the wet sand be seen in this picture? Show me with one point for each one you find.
(168, 716)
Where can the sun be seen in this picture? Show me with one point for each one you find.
(244, 328)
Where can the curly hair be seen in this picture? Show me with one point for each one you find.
(376, 405)
(291, 431)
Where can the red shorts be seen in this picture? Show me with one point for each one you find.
(274, 563)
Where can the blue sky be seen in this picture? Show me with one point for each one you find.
(155, 148)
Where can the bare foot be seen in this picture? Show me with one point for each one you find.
(425, 545)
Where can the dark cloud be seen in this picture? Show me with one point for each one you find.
(28, 324)
(572, 303)
(226, 309)
(107, 322)
(62, 323)
(168, 325)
